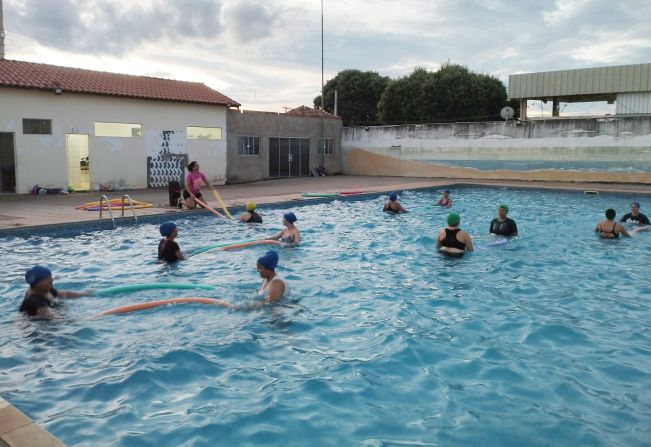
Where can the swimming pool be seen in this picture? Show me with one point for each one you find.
(543, 341)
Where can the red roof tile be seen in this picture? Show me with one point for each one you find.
(310, 112)
(49, 77)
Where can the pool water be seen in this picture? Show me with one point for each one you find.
(544, 341)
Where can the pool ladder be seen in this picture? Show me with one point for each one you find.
(108, 207)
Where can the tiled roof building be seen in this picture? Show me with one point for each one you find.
(30, 75)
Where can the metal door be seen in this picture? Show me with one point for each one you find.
(289, 157)
(7, 163)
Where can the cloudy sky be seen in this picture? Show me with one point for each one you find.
(267, 54)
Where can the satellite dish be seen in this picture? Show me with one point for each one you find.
(507, 113)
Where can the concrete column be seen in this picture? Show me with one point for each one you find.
(555, 108)
(523, 109)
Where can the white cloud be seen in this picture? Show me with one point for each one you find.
(267, 55)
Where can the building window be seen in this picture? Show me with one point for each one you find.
(37, 126)
(118, 130)
(326, 146)
(248, 146)
(204, 133)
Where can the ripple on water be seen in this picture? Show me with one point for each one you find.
(383, 342)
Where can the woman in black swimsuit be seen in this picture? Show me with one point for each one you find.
(453, 241)
(608, 228)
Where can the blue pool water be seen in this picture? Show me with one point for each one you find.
(544, 341)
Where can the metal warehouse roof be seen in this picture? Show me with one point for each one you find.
(605, 81)
(31, 75)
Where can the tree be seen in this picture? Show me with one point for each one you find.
(453, 93)
(358, 93)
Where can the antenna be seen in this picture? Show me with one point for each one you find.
(507, 113)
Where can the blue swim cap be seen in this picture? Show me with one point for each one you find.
(269, 260)
(167, 228)
(37, 274)
(290, 217)
(446, 190)
(393, 196)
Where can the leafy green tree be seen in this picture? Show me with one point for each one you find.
(453, 93)
(358, 93)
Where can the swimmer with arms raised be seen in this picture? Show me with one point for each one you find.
(608, 228)
(290, 235)
(393, 206)
(42, 297)
(453, 241)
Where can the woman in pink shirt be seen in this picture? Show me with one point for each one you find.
(193, 182)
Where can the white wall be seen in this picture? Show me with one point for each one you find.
(609, 149)
(631, 103)
(41, 159)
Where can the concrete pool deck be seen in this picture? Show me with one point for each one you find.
(20, 211)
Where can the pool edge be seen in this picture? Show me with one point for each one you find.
(18, 430)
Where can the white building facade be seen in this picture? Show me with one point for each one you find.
(85, 130)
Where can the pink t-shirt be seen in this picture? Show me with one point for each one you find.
(194, 180)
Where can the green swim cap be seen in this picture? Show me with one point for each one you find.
(454, 219)
(505, 208)
(250, 206)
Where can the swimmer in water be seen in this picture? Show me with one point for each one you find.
(250, 216)
(445, 201)
(168, 249)
(273, 287)
(290, 235)
(42, 297)
(608, 228)
(502, 225)
(453, 241)
(635, 217)
(393, 206)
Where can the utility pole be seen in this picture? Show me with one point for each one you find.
(322, 78)
(2, 34)
(322, 139)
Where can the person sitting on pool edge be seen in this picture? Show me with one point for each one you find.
(41, 296)
(502, 225)
(635, 217)
(608, 228)
(168, 249)
(290, 235)
(250, 216)
(445, 201)
(393, 206)
(453, 241)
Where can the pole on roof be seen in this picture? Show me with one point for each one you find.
(322, 139)
(2, 34)
(322, 84)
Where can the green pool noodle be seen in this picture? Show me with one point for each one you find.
(200, 250)
(150, 286)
